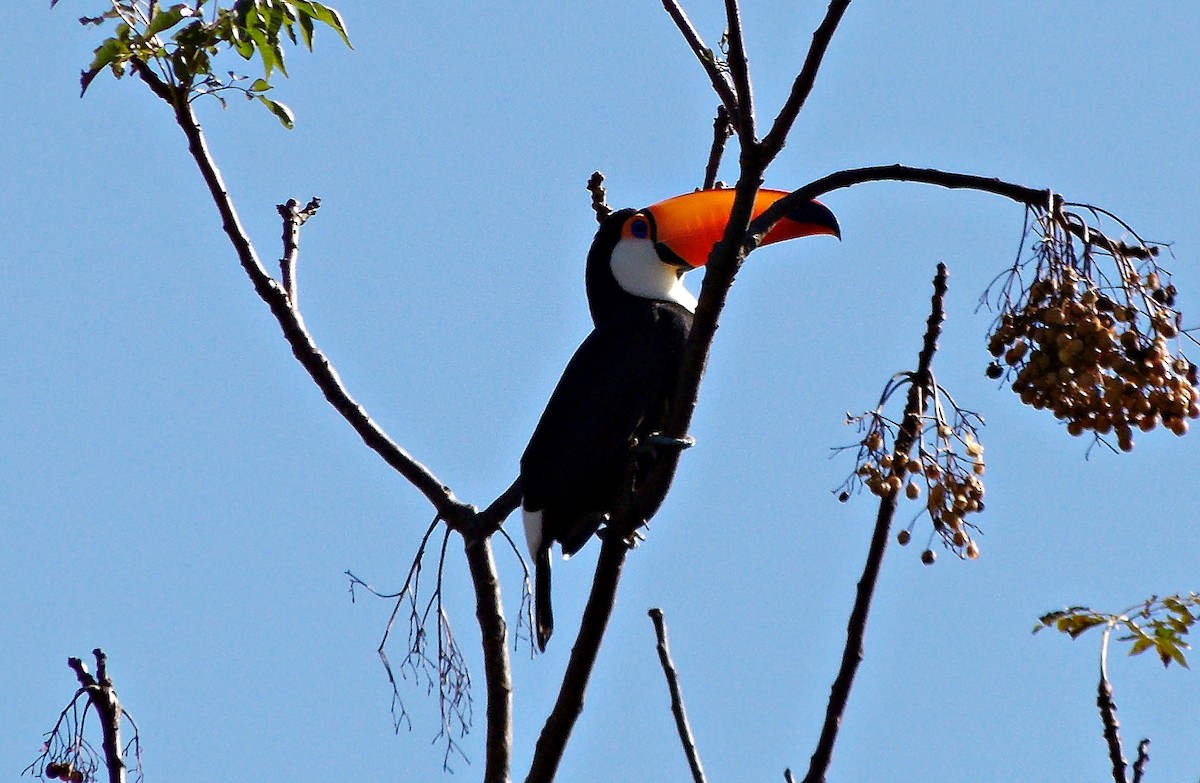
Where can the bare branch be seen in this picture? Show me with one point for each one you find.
(1112, 734)
(497, 671)
(600, 205)
(1143, 757)
(1108, 714)
(722, 128)
(677, 709)
(720, 82)
(739, 69)
(802, 87)
(553, 740)
(453, 511)
(104, 699)
(891, 173)
(66, 754)
(1040, 199)
(852, 654)
(293, 217)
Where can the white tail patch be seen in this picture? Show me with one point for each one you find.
(533, 531)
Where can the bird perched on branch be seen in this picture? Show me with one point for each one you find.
(613, 397)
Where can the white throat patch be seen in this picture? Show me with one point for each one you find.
(639, 272)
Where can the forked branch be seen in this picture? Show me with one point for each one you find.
(281, 298)
(319, 368)
(66, 753)
(708, 59)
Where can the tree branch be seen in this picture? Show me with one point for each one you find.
(293, 218)
(1043, 199)
(103, 698)
(910, 427)
(739, 69)
(720, 82)
(553, 740)
(1108, 715)
(722, 127)
(282, 307)
(1143, 757)
(600, 205)
(681, 722)
(802, 87)
(891, 173)
(497, 670)
(1112, 733)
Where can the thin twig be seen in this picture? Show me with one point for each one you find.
(803, 85)
(722, 128)
(852, 654)
(739, 69)
(1143, 757)
(600, 205)
(681, 722)
(720, 82)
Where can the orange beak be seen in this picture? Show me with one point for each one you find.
(685, 228)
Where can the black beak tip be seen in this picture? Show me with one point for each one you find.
(816, 214)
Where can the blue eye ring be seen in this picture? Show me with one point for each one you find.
(639, 228)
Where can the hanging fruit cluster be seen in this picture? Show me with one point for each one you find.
(1094, 337)
(946, 470)
(65, 770)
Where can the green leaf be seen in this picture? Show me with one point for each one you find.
(265, 50)
(331, 17)
(286, 118)
(1140, 646)
(110, 53)
(166, 18)
(306, 28)
(277, 53)
(260, 85)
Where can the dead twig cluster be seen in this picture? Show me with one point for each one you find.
(66, 753)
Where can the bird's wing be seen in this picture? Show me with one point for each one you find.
(619, 377)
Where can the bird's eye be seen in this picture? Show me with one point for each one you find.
(639, 228)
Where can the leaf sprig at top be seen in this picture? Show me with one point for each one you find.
(180, 42)
(1160, 624)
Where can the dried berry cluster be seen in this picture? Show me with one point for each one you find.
(947, 470)
(1095, 348)
(65, 770)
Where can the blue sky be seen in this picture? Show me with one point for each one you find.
(176, 491)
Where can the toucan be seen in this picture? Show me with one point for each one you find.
(615, 391)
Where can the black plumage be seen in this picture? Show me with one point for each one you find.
(615, 389)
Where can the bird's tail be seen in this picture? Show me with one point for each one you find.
(541, 598)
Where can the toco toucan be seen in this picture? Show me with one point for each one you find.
(616, 388)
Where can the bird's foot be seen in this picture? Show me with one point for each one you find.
(631, 538)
